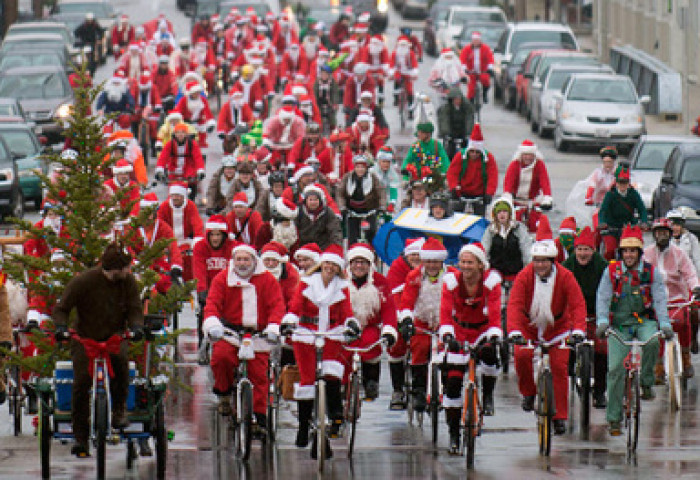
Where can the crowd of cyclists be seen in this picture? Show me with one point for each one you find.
(282, 248)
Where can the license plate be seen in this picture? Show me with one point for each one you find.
(602, 133)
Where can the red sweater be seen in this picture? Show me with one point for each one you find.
(207, 262)
(471, 182)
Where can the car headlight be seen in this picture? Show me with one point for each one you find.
(382, 6)
(6, 175)
(64, 111)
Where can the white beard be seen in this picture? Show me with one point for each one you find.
(201, 55)
(366, 301)
(375, 49)
(451, 72)
(427, 307)
(277, 271)
(114, 91)
(54, 224)
(310, 49)
(294, 55)
(134, 66)
(402, 52)
(195, 107)
(287, 236)
(541, 307)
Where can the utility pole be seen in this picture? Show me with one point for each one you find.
(9, 16)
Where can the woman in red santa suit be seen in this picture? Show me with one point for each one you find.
(320, 304)
(233, 113)
(470, 311)
(374, 309)
(307, 256)
(245, 298)
(281, 227)
(195, 111)
(121, 182)
(546, 304)
(243, 222)
(527, 181)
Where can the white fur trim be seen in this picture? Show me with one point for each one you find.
(493, 332)
(307, 253)
(305, 392)
(527, 149)
(567, 230)
(398, 289)
(317, 190)
(290, 319)
(211, 123)
(477, 252)
(211, 322)
(305, 170)
(544, 248)
(492, 280)
(333, 368)
(126, 169)
(285, 211)
(515, 333)
(216, 226)
(405, 313)
(457, 358)
(448, 402)
(333, 258)
(272, 328)
(414, 247)
(275, 256)
(34, 315)
(147, 203)
(450, 281)
(391, 331)
(178, 190)
(239, 203)
(433, 255)
(446, 330)
(244, 248)
(489, 370)
(360, 252)
(578, 332)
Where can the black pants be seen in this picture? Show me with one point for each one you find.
(353, 229)
(82, 384)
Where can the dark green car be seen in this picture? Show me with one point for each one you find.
(25, 149)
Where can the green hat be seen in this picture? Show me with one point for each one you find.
(248, 139)
(622, 173)
(426, 127)
(501, 206)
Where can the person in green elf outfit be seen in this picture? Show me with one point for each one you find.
(425, 152)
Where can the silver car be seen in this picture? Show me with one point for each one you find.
(599, 109)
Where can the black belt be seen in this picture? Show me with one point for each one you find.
(473, 326)
(240, 329)
(311, 320)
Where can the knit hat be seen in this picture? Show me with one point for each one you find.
(122, 166)
(631, 237)
(149, 200)
(501, 204)
(360, 250)
(544, 245)
(305, 170)
(413, 245)
(426, 127)
(476, 249)
(622, 174)
(228, 161)
(178, 188)
(568, 225)
(262, 154)
(661, 223)
(315, 189)
(216, 222)
(476, 140)
(585, 238)
(433, 249)
(244, 247)
(180, 127)
(275, 251)
(310, 250)
(360, 159)
(115, 257)
(527, 147)
(286, 208)
(334, 254)
(240, 199)
(385, 153)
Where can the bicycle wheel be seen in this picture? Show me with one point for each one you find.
(633, 413)
(101, 420)
(245, 419)
(320, 420)
(161, 440)
(44, 435)
(471, 425)
(674, 368)
(352, 406)
(408, 391)
(16, 399)
(273, 404)
(583, 383)
(504, 348)
(544, 412)
(434, 402)
(402, 108)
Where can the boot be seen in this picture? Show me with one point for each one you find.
(144, 448)
(488, 384)
(260, 426)
(335, 407)
(119, 417)
(314, 447)
(659, 373)
(306, 408)
(452, 416)
(81, 449)
(420, 380)
(688, 370)
(398, 399)
(600, 372)
(370, 377)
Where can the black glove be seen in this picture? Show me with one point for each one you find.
(546, 207)
(202, 297)
(406, 329)
(176, 275)
(353, 327)
(160, 176)
(451, 342)
(696, 293)
(286, 329)
(516, 339)
(201, 176)
(577, 338)
(222, 135)
(136, 334)
(389, 338)
(31, 325)
(61, 333)
(210, 128)
(487, 200)
(6, 346)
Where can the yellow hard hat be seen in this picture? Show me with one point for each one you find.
(247, 70)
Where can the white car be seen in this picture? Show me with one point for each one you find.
(458, 16)
(599, 109)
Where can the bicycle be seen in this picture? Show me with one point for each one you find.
(16, 389)
(365, 224)
(673, 361)
(504, 352)
(353, 403)
(402, 103)
(632, 406)
(478, 99)
(274, 370)
(433, 388)
(580, 384)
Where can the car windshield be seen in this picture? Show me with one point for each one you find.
(39, 29)
(690, 174)
(521, 55)
(548, 61)
(653, 155)
(33, 86)
(326, 15)
(489, 35)
(565, 39)
(9, 110)
(20, 142)
(602, 90)
(37, 60)
(461, 17)
(101, 10)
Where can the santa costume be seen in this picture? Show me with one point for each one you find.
(233, 113)
(132, 192)
(466, 177)
(281, 228)
(243, 229)
(196, 112)
(480, 60)
(286, 273)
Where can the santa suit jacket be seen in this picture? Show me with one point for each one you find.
(376, 139)
(37, 247)
(676, 268)
(376, 63)
(165, 83)
(383, 315)
(207, 262)
(568, 306)
(122, 36)
(230, 116)
(537, 178)
(396, 277)
(273, 130)
(289, 282)
(301, 151)
(181, 65)
(255, 303)
(185, 221)
(485, 58)
(283, 39)
(288, 67)
(412, 291)
(252, 92)
(406, 66)
(480, 317)
(244, 230)
(181, 160)
(201, 118)
(132, 193)
(124, 63)
(353, 90)
(161, 231)
(471, 182)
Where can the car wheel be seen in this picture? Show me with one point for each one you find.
(18, 209)
(559, 143)
(534, 127)
(37, 203)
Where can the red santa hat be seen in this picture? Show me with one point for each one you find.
(299, 90)
(178, 188)
(322, 51)
(122, 166)
(476, 249)
(376, 40)
(286, 208)
(304, 99)
(334, 254)
(145, 80)
(544, 245)
(433, 249)
(216, 222)
(244, 247)
(269, 15)
(305, 170)
(527, 147)
(361, 28)
(192, 87)
(585, 238)
(413, 245)
(360, 250)
(173, 115)
(310, 250)
(201, 41)
(366, 94)
(275, 251)
(262, 154)
(286, 112)
(364, 17)
(568, 225)
(315, 189)
(119, 73)
(364, 115)
(149, 200)
(134, 46)
(124, 18)
(446, 51)
(350, 42)
(240, 199)
(476, 140)
(476, 35)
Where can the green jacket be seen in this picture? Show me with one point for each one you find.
(429, 150)
(456, 122)
(617, 211)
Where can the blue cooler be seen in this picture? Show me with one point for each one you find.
(131, 395)
(64, 390)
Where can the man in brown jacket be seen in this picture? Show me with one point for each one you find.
(360, 192)
(106, 299)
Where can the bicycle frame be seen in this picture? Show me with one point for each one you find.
(364, 223)
(100, 385)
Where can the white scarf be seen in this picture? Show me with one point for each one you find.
(134, 66)
(225, 185)
(178, 221)
(323, 297)
(286, 131)
(366, 184)
(195, 108)
(541, 307)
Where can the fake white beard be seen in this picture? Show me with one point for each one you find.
(114, 91)
(195, 106)
(200, 55)
(375, 49)
(402, 51)
(451, 72)
(53, 223)
(287, 236)
(134, 66)
(237, 103)
(244, 273)
(294, 54)
(366, 301)
(310, 49)
(277, 271)
(307, 110)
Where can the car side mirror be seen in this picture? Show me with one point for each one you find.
(667, 177)
(43, 140)
(645, 99)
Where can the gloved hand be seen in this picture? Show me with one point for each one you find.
(601, 329)
(136, 334)
(546, 206)
(222, 135)
(216, 333)
(577, 338)
(389, 338)
(210, 212)
(406, 329)
(287, 329)
(201, 175)
(176, 275)
(353, 327)
(202, 297)
(516, 338)
(271, 335)
(210, 128)
(31, 325)
(487, 199)
(696, 293)
(61, 333)
(160, 175)
(667, 331)
(451, 342)
(494, 339)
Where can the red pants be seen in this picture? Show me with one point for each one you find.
(610, 242)
(485, 80)
(224, 364)
(680, 318)
(600, 345)
(333, 366)
(559, 361)
(407, 81)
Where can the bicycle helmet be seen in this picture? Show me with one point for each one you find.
(185, 42)
(228, 161)
(440, 199)
(675, 216)
(661, 223)
(69, 154)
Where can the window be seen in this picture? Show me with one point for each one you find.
(20, 142)
(690, 173)
(653, 156)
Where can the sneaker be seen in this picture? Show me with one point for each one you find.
(648, 393)
(615, 429)
(454, 444)
(528, 403)
(398, 401)
(80, 450)
(371, 390)
(419, 401)
(599, 401)
(559, 426)
(145, 448)
(119, 418)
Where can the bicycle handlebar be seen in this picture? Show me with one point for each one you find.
(630, 343)
(365, 349)
(354, 214)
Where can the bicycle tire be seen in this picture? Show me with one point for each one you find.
(161, 440)
(353, 410)
(245, 419)
(544, 412)
(471, 425)
(434, 402)
(583, 377)
(320, 421)
(504, 349)
(131, 454)
(673, 373)
(101, 425)
(44, 435)
(408, 389)
(634, 409)
(273, 405)
(16, 400)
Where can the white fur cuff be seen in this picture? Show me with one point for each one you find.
(446, 330)
(210, 323)
(290, 319)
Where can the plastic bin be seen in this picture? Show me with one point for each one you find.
(64, 390)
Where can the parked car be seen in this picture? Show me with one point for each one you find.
(11, 198)
(25, 149)
(28, 57)
(104, 13)
(543, 102)
(680, 185)
(528, 32)
(261, 8)
(648, 159)
(10, 107)
(59, 28)
(599, 109)
(490, 33)
(39, 42)
(437, 16)
(506, 81)
(417, 9)
(524, 75)
(458, 16)
(44, 93)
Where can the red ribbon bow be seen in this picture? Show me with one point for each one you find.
(412, 171)
(426, 172)
(95, 349)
